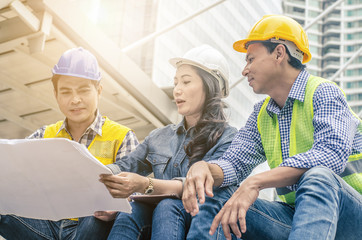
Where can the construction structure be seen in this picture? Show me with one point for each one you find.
(137, 77)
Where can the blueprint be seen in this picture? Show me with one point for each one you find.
(52, 179)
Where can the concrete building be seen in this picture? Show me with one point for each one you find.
(150, 32)
(333, 41)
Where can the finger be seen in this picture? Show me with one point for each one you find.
(209, 183)
(233, 222)
(225, 223)
(216, 222)
(115, 180)
(242, 221)
(105, 177)
(200, 189)
(113, 185)
(97, 213)
(118, 192)
(189, 197)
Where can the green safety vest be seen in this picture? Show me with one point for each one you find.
(301, 138)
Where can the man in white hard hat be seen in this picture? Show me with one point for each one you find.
(306, 132)
(76, 80)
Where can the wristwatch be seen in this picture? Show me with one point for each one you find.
(149, 189)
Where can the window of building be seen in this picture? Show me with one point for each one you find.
(313, 13)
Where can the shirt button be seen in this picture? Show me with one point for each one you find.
(154, 161)
(175, 165)
(283, 118)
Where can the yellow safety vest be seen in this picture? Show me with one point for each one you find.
(104, 147)
(301, 138)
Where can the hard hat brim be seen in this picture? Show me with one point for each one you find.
(239, 46)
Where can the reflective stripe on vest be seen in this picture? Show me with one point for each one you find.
(301, 138)
(104, 147)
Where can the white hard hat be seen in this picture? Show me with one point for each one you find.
(210, 60)
(78, 62)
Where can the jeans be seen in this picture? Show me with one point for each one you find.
(326, 207)
(169, 220)
(135, 225)
(201, 223)
(14, 227)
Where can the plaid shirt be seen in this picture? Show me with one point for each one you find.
(335, 134)
(129, 143)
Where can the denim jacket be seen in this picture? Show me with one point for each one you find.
(162, 152)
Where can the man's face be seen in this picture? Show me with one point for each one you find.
(260, 69)
(78, 99)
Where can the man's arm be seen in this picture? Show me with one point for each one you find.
(334, 130)
(235, 209)
(244, 153)
(38, 133)
(129, 143)
(131, 156)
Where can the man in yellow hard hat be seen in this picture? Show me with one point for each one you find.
(306, 132)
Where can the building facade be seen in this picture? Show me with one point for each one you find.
(127, 22)
(333, 41)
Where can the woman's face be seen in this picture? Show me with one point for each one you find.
(189, 94)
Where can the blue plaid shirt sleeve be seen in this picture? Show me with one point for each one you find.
(244, 153)
(130, 142)
(37, 134)
(334, 128)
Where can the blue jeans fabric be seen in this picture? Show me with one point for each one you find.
(135, 225)
(14, 227)
(201, 223)
(326, 207)
(169, 220)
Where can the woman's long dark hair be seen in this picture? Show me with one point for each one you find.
(212, 122)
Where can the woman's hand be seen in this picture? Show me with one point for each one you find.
(105, 215)
(124, 184)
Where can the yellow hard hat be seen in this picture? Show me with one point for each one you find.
(278, 27)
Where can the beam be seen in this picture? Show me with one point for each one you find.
(37, 42)
(354, 56)
(170, 27)
(33, 93)
(4, 3)
(29, 18)
(323, 14)
(18, 120)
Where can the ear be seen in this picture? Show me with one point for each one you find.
(99, 89)
(280, 52)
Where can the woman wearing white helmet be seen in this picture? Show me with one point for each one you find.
(201, 80)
